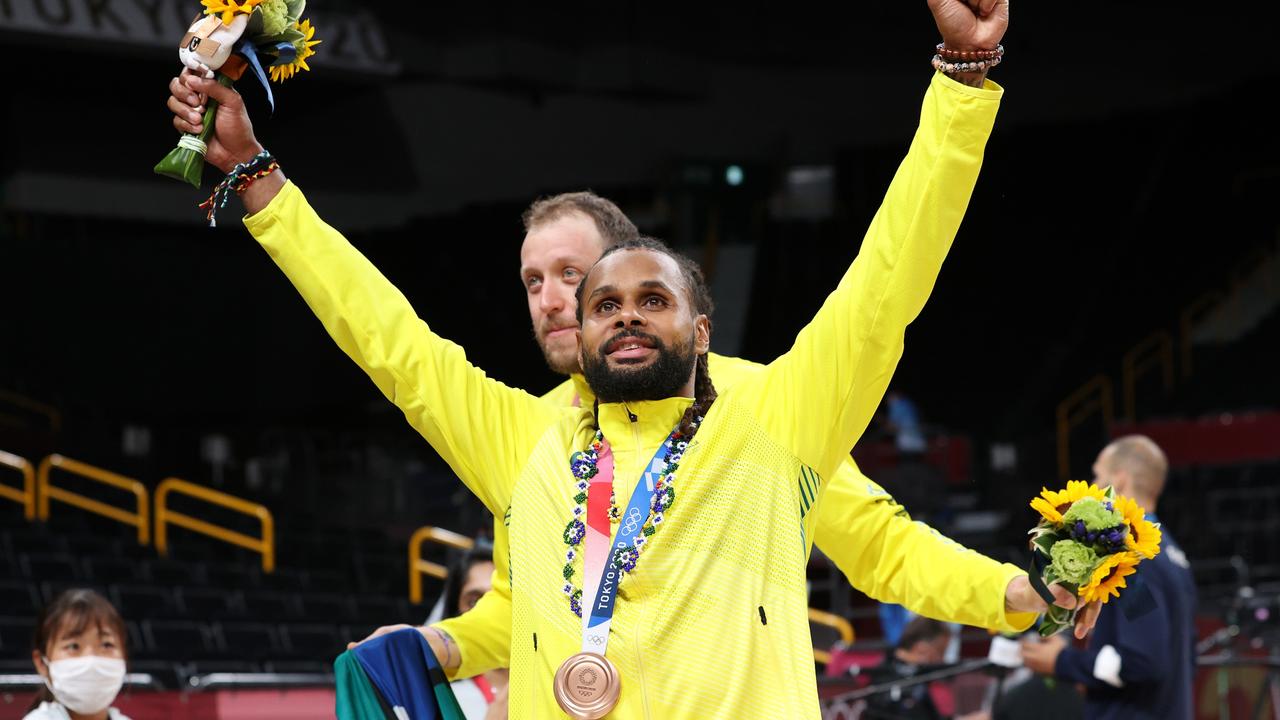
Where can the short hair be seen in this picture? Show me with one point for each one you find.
(690, 272)
(1143, 459)
(614, 225)
(921, 629)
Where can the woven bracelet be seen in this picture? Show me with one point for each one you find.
(238, 180)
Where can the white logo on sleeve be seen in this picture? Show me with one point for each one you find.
(1106, 667)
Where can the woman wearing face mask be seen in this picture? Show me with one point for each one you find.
(79, 651)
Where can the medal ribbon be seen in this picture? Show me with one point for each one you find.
(598, 596)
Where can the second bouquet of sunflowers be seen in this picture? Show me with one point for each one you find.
(1089, 539)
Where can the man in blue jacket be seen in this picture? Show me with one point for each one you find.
(1140, 662)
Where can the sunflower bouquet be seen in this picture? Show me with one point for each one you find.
(266, 37)
(1088, 540)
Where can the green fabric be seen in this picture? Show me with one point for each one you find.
(449, 707)
(356, 698)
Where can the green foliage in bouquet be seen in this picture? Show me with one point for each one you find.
(1089, 539)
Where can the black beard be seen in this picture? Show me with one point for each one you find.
(663, 378)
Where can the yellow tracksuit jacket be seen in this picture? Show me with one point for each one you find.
(713, 622)
(868, 535)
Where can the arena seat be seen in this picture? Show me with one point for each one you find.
(19, 596)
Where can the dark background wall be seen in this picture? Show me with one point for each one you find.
(1133, 168)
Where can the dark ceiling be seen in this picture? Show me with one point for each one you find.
(1125, 134)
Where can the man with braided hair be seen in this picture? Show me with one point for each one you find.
(707, 563)
(670, 370)
(870, 537)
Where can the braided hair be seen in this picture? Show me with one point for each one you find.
(704, 392)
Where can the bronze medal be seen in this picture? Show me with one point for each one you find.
(587, 686)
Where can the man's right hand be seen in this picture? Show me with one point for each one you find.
(1020, 597)
(232, 141)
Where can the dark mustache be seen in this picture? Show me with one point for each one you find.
(633, 333)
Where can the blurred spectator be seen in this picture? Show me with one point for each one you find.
(1039, 698)
(919, 486)
(1140, 661)
(903, 420)
(79, 650)
(483, 697)
(893, 620)
(922, 646)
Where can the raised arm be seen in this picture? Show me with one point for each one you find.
(482, 428)
(819, 396)
(836, 373)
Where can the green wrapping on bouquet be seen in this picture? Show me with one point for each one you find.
(187, 163)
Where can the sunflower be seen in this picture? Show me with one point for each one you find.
(1046, 508)
(280, 73)
(1052, 503)
(1109, 577)
(228, 9)
(1144, 536)
(1077, 489)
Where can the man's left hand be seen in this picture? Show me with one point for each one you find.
(1041, 656)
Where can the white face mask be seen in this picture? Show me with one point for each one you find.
(85, 684)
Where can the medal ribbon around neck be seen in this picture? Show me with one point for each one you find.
(653, 496)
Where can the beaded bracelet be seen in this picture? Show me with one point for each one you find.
(239, 179)
(961, 67)
(953, 54)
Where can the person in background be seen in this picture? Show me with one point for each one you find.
(1039, 698)
(903, 420)
(922, 645)
(1140, 662)
(483, 697)
(912, 479)
(79, 649)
